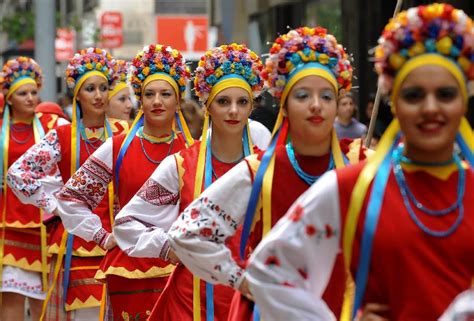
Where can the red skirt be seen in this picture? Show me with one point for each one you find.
(133, 299)
(176, 301)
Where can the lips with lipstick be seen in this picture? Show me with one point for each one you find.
(315, 119)
(232, 122)
(158, 111)
(98, 105)
(430, 126)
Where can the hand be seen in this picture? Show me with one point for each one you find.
(111, 242)
(244, 289)
(373, 312)
(173, 258)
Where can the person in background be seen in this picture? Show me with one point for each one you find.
(119, 105)
(23, 261)
(194, 116)
(346, 125)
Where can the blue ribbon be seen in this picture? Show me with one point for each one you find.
(180, 126)
(5, 124)
(207, 182)
(466, 151)
(124, 148)
(370, 225)
(255, 193)
(70, 237)
(256, 313)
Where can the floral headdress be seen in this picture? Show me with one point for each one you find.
(122, 70)
(17, 69)
(436, 28)
(121, 83)
(91, 59)
(232, 59)
(300, 46)
(158, 59)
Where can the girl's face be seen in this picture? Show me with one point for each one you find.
(120, 105)
(345, 108)
(92, 96)
(24, 100)
(159, 103)
(311, 108)
(429, 108)
(230, 110)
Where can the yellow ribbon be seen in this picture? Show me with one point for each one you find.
(197, 192)
(17, 84)
(117, 88)
(57, 269)
(357, 199)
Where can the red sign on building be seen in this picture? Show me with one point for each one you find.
(64, 44)
(111, 34)
(185, 33)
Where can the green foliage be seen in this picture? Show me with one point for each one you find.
(20, 26)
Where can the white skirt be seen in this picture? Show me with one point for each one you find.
(18, 280)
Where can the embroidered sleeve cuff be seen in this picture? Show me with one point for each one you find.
(236, 277)
(101, 237)
(47, 204)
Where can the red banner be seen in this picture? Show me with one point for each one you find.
(111, 34)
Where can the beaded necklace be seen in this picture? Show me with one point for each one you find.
(221, 161)
(409, 197)
(308, 179)
(142, 136)
(91, 142)
(20, 129)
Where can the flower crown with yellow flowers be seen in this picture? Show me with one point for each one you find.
(18, 68)
(303, 45)
(91, 59)
(154, 59)
(437, 28)
(226, 60)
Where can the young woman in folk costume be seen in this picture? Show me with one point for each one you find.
(74, 294)
(119, 101)
(306, 69)
(23, 261)
(158, 76)
(405, 218)
(227, 78)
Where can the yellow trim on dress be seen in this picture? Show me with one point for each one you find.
(153, 272)
(9, 259)
(96, 251)
(77, 304)
(19, 225)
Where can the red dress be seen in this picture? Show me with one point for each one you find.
(176, 301)
(410, 269)
(135, 284)
(22, 239)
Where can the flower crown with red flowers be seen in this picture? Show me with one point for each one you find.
(154, 59)
(436, 28)
(91, 59)
(227, 60)
(18, 68)
(303, 45)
